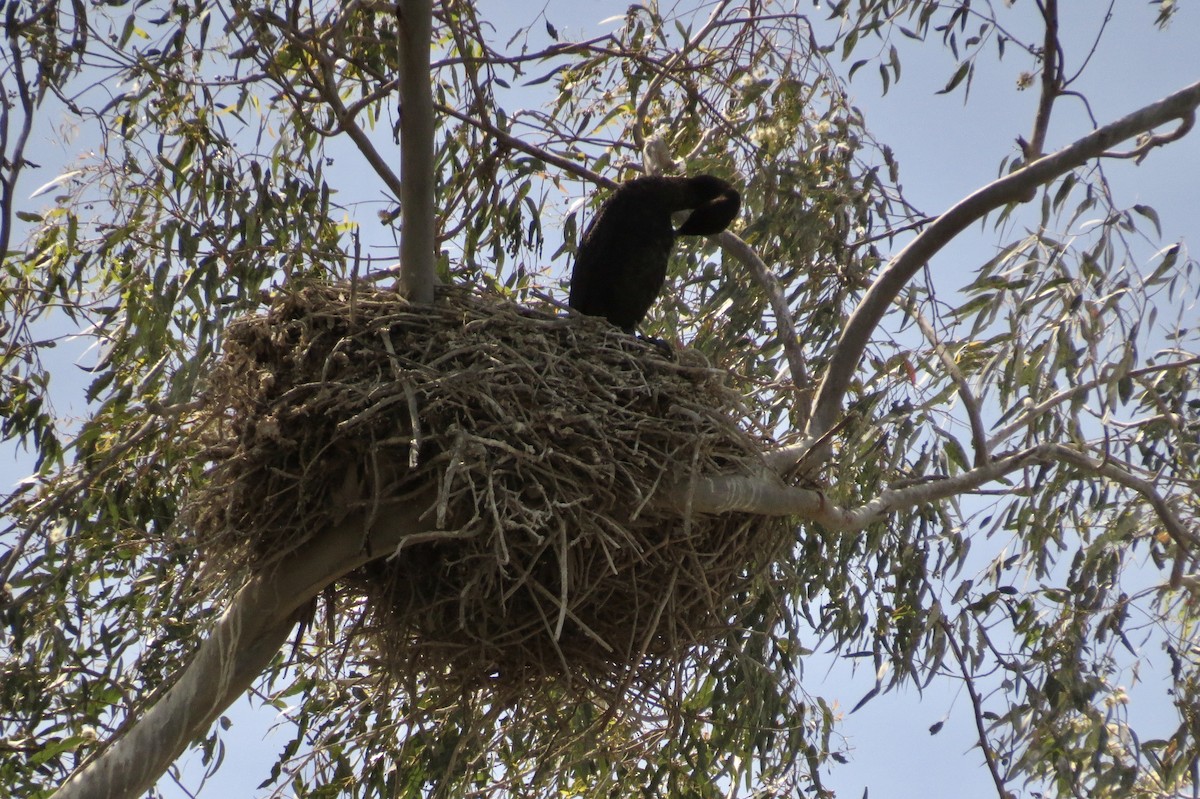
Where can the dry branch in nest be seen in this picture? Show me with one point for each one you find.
(540, 445)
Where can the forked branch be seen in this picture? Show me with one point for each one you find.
(766, 495)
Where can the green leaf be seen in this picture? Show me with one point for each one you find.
(1150, 214)
(956, 78)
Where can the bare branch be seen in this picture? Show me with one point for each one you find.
(1012, 188)
(1149, 142)
(1051, 80)
(509, 140)
(15, 160)
(1067, 394)
(977, 709)
(768, 496)
(240, 646)
(417, 245)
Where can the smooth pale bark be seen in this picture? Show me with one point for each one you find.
(767, 495)
(236, 651)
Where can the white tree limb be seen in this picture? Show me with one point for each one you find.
(768, 496)
(240, 646)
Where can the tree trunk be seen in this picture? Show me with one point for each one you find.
(417, 245)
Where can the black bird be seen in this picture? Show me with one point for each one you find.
(622, 258)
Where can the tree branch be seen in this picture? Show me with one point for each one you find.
(1184, 539)
(417, 245)
(1149, 142)
(322, 76)
(680, 54)
(785, 325)
(14, 161)
(1026, 418)
(768, 496)
(977, 708)
(239, 647)
(1051, 80)
(509, 140)
(978, 434)
(1011, 188)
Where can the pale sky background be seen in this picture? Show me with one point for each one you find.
(946, 150)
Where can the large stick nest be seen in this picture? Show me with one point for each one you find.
(542, 446)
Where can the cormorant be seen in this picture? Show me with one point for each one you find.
(622, 258)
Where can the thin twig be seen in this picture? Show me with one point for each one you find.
(970, 403)
(977, 712)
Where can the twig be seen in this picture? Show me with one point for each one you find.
(977, 711)
(1184, 540)
(324, 83)
(970, 402)
(891, 232)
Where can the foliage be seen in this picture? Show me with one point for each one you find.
(234, 156)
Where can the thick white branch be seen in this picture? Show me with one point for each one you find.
(767, 496)
(240, 646)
